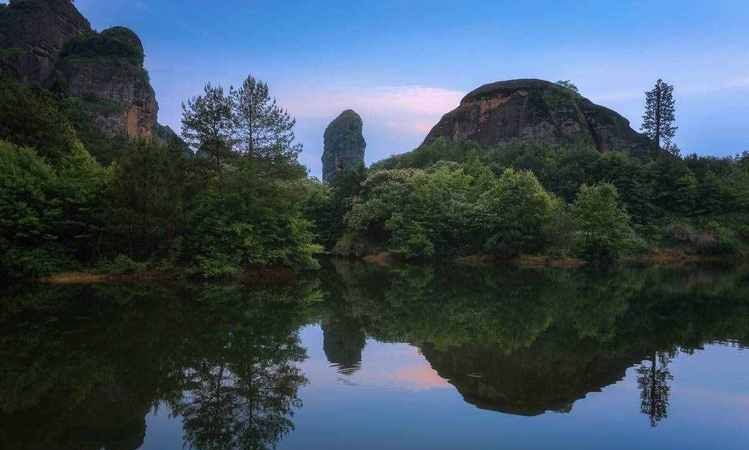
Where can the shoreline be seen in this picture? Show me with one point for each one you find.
(660, 257)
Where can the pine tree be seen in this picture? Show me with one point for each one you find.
(658, 122)
(207, 124)
(264, 129)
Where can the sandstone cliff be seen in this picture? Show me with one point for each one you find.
(108, 69)
(539, 111)
(50, 44)
(344, 145)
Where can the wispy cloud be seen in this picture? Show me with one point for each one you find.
(404, 109)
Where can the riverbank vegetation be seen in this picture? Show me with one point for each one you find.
(233, 195)
(234, 200)
(452, 198)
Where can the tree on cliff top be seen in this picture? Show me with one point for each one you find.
(658, 122)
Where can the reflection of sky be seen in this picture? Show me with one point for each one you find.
(396, 366)
(396, 401)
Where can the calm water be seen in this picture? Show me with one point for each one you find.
(358, 357)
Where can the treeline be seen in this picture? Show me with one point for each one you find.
(71, 197)
(233, 195)
(456, 198)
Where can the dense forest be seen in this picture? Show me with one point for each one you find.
(233, 195)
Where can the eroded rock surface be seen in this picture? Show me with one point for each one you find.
(49, 43)
(344, 145)
(538, 111)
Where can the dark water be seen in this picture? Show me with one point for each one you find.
(357, 357)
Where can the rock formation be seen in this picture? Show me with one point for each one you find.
(108, 69)
(50, 44)
(344, 145)
(343, 343)
(538, 111)
(33, 33)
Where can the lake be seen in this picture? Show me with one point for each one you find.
(363, 357)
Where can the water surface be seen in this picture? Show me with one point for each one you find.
(359, 357)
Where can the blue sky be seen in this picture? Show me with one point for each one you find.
(402, 64)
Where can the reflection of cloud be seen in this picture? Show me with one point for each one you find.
(404, 109)
(420, 377)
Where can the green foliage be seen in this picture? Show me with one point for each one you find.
(567, 84)
(518, 213)
(655, 189)
(603, 227)
(263, 128)
(114, 43)
(208, 126)
(82, 113)
(255, 220)
(426, 156)
(146, 199)
(658, 121)
(120, 265)
(46, 213)
(31, 117)
(454, 209)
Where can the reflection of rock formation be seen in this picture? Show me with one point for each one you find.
(343, 343)
(527, 382)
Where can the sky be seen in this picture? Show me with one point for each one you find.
(402, 64)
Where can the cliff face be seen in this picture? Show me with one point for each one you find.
(108, 67)
(344, 145)
(33, 33)
(538, 111)
(50, 44)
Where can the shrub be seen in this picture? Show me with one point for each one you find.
(603, 226)
(122, 264)
(719, 240)
(516, 214)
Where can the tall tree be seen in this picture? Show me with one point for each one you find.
(207, 124)
(658, 122)
(263, 128)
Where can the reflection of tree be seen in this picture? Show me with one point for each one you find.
(251, 410)
(225, 357)
(241, 393)
(653, 380)
(530, 341)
